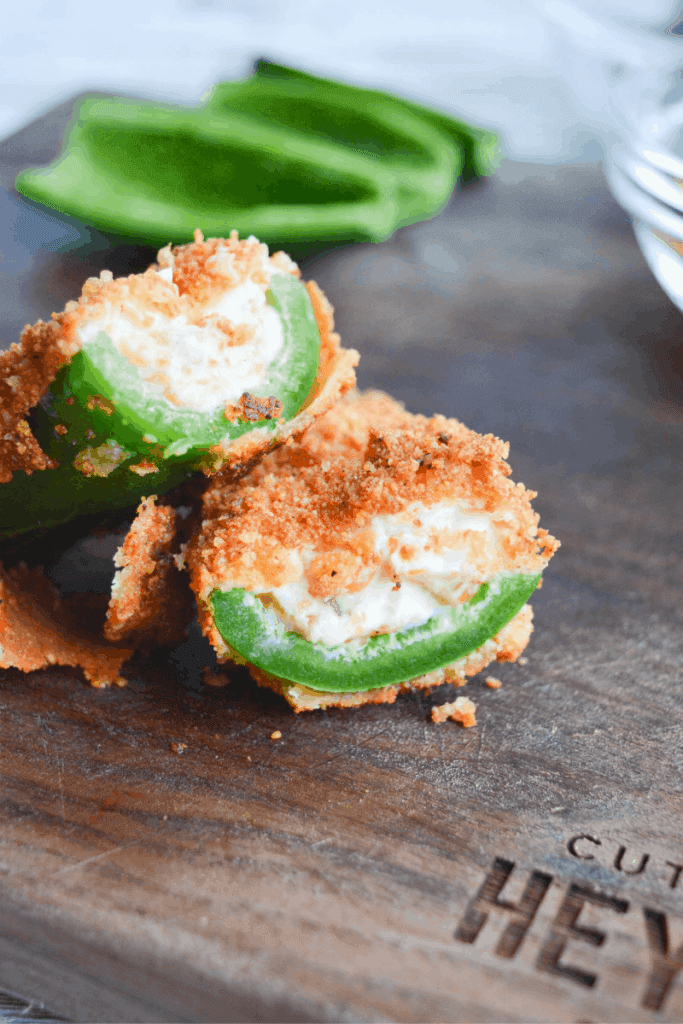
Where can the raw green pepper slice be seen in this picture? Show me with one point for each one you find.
(109, 420)
(254, 632)
(478, 147)
(154, 172)
(302, 162)
(423, 157)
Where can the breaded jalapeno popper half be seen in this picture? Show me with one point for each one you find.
(209, 359)
(379, 552)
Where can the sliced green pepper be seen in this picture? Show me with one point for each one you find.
(478, 147)
(300, 161)
(254, 632)
(156, 173)
(99, 419)
(390, 132)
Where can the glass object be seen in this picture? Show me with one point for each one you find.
(623, 61)
(645, 168)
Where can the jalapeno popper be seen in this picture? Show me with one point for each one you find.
(379, 552)
(209, 359)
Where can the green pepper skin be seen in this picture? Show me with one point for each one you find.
(255, 634)
(100, 399)
(302, 162)
(479, 148)
(145, 171)
(423, 158)
(50, 497)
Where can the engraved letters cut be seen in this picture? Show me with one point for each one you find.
(620, 856)
(665, 965)
(677, 868)
(565, 927)
(582, 854)
(487, 899)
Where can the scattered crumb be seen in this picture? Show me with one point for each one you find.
(178, 748)
(248, 758)
(144, 467)
(522, 661)
(460, 710)
(493, 683)
(102, 684)
(215, 679)
(277, 735)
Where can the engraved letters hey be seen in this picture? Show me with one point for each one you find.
(665, 963)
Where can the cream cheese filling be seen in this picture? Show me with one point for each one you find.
(197, 360)
(427, 558)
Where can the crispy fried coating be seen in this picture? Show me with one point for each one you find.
(335, 377)
(461, 710)
(26, 372)
(200, 269)
(38, 629)
(366, 457)
(150, 598)
(316, 493)
(199, 273)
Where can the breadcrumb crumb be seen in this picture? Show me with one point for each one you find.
(150, 597)
(277, 735)
(39, 629)
(493, 683)
(26, 372)
(461, 710)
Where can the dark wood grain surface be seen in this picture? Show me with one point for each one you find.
(369, 865)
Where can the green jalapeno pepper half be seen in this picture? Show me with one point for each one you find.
(254, 632)
(109, 420)
(300, 161)
(154, 173)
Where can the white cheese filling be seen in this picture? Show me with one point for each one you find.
(438, 556)
(198, 362)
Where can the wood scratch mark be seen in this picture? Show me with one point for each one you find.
(90, 860)
(481, 740)
(61, 787)
(447, 777)
(375, 735)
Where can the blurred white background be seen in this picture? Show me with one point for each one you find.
(502, 64)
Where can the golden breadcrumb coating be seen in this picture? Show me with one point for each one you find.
(198, 276)
(26, 372)
(335, 377)
(315, 494)
(38, 629)
(366, 457)
(203, 268)
(28, 369)
(461, 710)
(150, 598)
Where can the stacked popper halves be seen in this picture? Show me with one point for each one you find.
(345, 549)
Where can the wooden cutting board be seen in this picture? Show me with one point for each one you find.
(370, 865)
